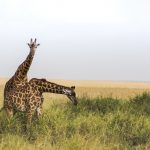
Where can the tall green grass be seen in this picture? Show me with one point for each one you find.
(95, 124)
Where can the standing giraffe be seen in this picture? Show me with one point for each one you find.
(28, 98)
(19, 79)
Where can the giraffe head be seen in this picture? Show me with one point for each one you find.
(70, 92)
(33, 45)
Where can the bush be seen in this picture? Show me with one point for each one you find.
(141, 104)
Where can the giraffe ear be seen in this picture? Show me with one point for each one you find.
(73, 87)
(28, 44)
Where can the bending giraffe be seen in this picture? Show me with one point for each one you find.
(19, 79)
(28, 98)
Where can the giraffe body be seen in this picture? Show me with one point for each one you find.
(19, 79)
(29, 99)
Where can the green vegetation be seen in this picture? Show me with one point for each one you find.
(95, 124)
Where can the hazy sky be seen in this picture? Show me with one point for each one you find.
(80, 39)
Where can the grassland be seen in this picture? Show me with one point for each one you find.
(110, 115)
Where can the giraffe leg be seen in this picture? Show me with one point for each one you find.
(28, 121)
(38, 112)
(39, 108)
(29, 115)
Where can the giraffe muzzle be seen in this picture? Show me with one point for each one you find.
(73, 99)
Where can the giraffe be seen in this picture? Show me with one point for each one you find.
(28, 98)
(19, 79)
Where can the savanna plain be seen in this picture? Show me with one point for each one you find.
(110, 115)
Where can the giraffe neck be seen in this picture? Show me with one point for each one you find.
(23, 69)
(53, 88)
(50, 87)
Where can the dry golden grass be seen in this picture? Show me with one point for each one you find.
(105, 84)
(92, 89)
(3, 81)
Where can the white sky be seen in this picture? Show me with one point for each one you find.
(80, 39)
